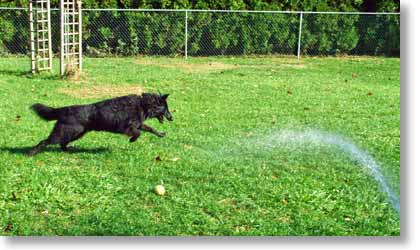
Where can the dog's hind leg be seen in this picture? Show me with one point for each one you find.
(146, 128)
(35, 150)
(53, 138)
(70, 133)
(62, 134)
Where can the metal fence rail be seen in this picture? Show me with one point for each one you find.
(216, 32)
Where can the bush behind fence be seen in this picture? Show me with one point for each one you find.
(140, 32)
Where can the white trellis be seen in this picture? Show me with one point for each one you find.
(40, 35)
(71, 35)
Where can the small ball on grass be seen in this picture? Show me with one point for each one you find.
(160, 190)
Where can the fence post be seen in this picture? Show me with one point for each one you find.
(300, 34)
(186, 35)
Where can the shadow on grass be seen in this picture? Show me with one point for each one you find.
(28, 74)
(25, 150)
(14, 72)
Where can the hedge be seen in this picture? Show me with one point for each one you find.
(209, 33)
(306, 5)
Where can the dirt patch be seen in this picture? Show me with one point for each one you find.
(278, 65)
(298, 65)
(101, 91)
(285, 62)
(74, 76)
(350, 57)
(189, 67)
(212, 66)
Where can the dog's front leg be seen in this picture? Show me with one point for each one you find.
(133, 132)
(136, 135)
(146, 128)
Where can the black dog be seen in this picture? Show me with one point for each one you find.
(125, 115)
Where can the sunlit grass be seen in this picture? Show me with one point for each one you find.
(105, 186)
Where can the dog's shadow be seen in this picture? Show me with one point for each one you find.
(76, 150)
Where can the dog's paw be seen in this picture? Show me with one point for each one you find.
(161, 134)
(68, 148)
(133, 139)
(31, 153)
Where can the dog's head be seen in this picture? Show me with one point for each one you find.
(160, 109)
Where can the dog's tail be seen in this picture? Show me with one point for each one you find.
(45, 112)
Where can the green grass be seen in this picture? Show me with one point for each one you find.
(222, 184)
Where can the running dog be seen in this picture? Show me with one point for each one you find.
(123, 115)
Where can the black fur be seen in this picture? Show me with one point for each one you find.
(125, 115)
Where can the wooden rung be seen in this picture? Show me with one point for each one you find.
(44, 69)
(72, 63)
(74, 59)
(72, 33)
(42, 30)
(67, 44)
(71, 23)
(43, 49)
(43, 59)
(41, 21)
(40, 40)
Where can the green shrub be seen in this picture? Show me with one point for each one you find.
(329, 34)
(209, 33)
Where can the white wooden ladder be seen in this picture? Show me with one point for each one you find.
(71, 35)
(40, 32)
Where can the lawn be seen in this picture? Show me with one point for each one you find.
(223, 169)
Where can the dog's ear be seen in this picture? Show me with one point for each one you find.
(165, 96)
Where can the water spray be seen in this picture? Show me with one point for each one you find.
(362, 157)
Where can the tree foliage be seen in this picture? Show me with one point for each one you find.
(307, 5)
(131, 33)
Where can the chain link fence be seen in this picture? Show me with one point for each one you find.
(209, 33)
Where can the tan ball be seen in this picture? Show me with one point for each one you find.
(160, 190)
